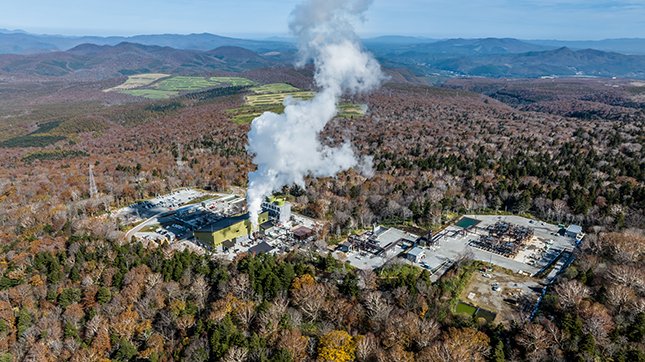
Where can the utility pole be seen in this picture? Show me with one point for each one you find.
(94, 192)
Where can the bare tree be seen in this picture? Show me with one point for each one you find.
(377, 306)
(571, 293)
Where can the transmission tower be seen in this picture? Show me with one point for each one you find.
(180, 161)
(93, 189)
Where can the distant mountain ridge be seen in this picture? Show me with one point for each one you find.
(99, 58)
(633, 46)
(21, 42)
(98, 62)
(507, 57)
(25, 43)
(561, 62)
(482, 46)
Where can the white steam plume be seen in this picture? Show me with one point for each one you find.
(286, 147)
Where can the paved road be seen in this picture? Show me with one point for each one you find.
(136, 229)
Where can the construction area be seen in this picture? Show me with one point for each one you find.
(499, 295)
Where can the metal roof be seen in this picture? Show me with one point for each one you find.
(261, 248)
(416, 252)
(303, 231)
(224, 223)
(574, 229)
(392, 235)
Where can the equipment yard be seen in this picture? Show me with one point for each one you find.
(511, 296)
(521, 254)
(522, 245)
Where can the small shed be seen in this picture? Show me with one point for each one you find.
(228, 244)
(261, 248)
(345, 247)
(573, 231)
(303, 233)
(267, 226)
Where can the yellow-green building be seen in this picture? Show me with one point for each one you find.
(228, 229)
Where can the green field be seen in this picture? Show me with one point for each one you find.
(182, 83)
(247, 113)
(233, 81)
(151, 93)
(351, 110)
(463, 308)
(163, 86)
(274, 88)
(270, 98)
(138, 81)
(277, 98)
(467, 309)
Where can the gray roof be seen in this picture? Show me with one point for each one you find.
(261, 248)
(392, 235)
(574, 229)
(228, 244)
(223, 223)
(416, 252)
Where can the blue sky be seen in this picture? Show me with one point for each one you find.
(527, 19)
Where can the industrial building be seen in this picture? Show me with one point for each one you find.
(380, 240)
(229, 228)
(573, 231)
(279, 209)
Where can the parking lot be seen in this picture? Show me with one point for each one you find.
(158, 205)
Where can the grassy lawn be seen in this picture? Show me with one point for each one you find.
(183, 83)
(351, 110)
(150, 228)
(463, 308)
(200, 199)
(246, 114)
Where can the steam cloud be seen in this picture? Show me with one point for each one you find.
(286, 147)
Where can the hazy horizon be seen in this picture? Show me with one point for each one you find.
(289, 37)
(440, 19)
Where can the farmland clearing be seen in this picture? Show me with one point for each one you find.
(164, 86)
(138, 81)
(271, 97)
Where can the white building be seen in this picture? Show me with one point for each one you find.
(416, 254)
(279, 209)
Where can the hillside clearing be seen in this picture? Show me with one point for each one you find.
(138, 81)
